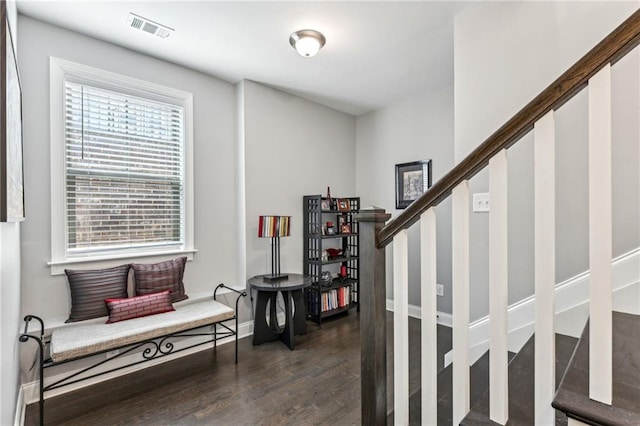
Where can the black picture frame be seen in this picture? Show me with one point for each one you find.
(11, 155)
(412, 180)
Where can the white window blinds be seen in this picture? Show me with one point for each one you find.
(124, 160)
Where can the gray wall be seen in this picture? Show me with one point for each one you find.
(416, 128)
(214, 160)
(10, 320)
(292, 147)
(505, 54)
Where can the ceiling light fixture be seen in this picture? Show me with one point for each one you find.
(307, 42)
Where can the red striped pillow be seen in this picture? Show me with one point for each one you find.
(139, 306)
(155, 277)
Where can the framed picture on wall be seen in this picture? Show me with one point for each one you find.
(412, 180)
(11, 174)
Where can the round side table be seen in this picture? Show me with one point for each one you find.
(292, 290)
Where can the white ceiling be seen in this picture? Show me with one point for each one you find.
(376, 52)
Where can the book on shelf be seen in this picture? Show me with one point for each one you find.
(334, 299)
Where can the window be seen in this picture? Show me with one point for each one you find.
(125, 149)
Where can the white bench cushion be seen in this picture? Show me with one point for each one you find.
(87, 337)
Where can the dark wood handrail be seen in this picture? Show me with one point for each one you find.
(615, 46)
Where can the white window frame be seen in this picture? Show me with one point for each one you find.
(59, 70)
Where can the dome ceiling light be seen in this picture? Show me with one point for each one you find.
(307, 42)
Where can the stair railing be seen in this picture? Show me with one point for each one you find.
(593, 70)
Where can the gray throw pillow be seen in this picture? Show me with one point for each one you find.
(90, 288)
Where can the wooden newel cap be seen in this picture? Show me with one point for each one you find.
(372, 214)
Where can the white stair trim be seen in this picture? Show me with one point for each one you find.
(571, 295)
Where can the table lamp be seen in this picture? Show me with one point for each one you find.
(274, 227)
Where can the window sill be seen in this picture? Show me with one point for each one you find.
(94, 262)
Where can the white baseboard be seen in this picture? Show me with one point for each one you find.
(572, 301)
(29, 392)
(414, 312)
(21, 406)
(445, 319)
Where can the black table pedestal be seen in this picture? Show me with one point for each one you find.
(263, 331)
(299, 317)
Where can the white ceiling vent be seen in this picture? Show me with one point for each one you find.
(139, 23)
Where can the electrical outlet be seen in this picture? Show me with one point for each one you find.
(113, 353)
(439, 290)
(481, 202)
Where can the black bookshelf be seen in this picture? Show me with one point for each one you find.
(338, 294)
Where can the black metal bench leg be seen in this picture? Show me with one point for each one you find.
(24, 337)
(240, 294)
(236, 336)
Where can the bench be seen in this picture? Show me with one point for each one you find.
(153, 335)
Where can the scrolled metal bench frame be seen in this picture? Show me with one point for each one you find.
(156, 348)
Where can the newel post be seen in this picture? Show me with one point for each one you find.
(373, 330)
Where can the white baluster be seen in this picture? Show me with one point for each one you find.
(401, 328)
(545, 268)
(460, 299)
(498, 290)
(600, 245)
(428, 324)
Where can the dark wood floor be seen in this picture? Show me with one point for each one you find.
(316, 384)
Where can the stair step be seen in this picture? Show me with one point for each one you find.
(572, 396)
(521, 386)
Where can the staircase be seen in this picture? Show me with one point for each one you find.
(602, 380)
(520, 384)
(572, 397)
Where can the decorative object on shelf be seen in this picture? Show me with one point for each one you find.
(329, 200)
(330, 229)
(345, 229)
(325, 256)
(333, 252)
(343, 205)
(326, 278)
(347, 253)
(412, 180)
(343, 271)
(12, 176)
(274, 227)
(325, 205)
